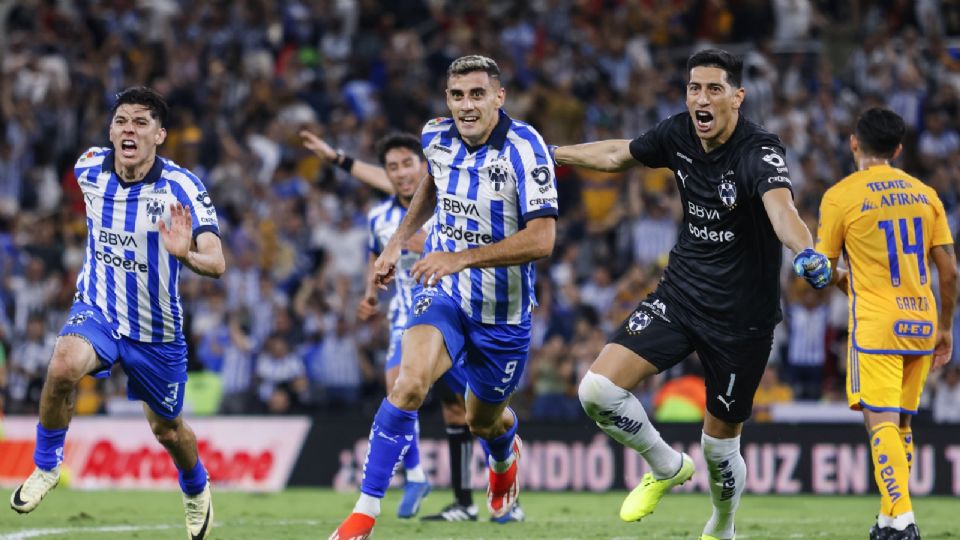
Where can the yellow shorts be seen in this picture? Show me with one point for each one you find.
(886, 382)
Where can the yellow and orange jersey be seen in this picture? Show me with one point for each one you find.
(884, 222)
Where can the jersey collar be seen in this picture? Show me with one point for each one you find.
(152, 175)
(498, 137)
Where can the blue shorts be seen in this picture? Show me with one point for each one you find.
(453, 377)
(156, 372)
(490, 357)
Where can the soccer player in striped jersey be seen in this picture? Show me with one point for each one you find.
(889, 226)
(492, 193)
(147, 218)
(402, 168)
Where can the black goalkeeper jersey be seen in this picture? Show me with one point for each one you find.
(725, 266)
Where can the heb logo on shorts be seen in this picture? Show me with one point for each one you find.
(913, 329)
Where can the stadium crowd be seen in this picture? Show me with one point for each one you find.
(278, 333)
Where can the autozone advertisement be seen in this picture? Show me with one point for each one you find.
(240, 453)
(781, 458)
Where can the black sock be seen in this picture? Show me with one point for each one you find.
(460, 441)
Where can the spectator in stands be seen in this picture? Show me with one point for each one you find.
(770, 392)
(946, 397)
(281, 377)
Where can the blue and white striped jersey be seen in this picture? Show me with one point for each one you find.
(485, 194)
(383, 220)
(127, 273)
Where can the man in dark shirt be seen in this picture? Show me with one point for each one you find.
(720, 292)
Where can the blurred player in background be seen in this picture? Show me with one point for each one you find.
(720, 294)
(888, 225)
(403, 167)
(146, 219)
(493, 193)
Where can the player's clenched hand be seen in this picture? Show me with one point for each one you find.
(368, 308)
(943, 351)
(178, 237)
(317, 145)
(385, 267)
(430, 269)
(813, 267)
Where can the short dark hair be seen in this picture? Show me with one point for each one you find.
(879, 132)
(148, 97)
(398, 140)
(474, 62)
(719, 58)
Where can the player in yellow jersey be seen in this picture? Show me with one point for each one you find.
(889, 226)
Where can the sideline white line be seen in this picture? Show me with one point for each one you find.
(37, 533)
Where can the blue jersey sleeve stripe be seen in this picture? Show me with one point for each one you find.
(133, 305)
(153, 285)
(173, 282)
(542, 212)
(110, 286)
(92, 261)
(197, 231)
(502, 285)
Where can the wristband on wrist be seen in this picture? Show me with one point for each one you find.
(343, 161)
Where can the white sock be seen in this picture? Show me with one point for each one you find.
(368, 505)
(884, 521)
(416, 474)
(728, 478)
(619, 413)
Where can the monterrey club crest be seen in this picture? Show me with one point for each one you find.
(154, 210)
(638, 321)
(728, 194)
(498, 176)
(423, 303)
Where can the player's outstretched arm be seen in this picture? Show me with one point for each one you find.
(371, 175)
(793, 232)
(207, 258)
(790, 229)
(533, 242)
(946, 262)
(421, 208)
(611, 155)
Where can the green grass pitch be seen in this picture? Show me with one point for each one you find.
(313, 514)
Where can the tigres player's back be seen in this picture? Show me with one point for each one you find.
(884, 222)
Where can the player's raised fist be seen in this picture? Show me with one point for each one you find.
(813, 267)
(317, 145)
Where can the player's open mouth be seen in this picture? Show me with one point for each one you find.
(128, 148)
(704, 121)
(469, 120)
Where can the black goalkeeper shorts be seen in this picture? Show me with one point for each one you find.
(733, 363)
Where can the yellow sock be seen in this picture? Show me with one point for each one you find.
(890, 469)
(906, 434)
